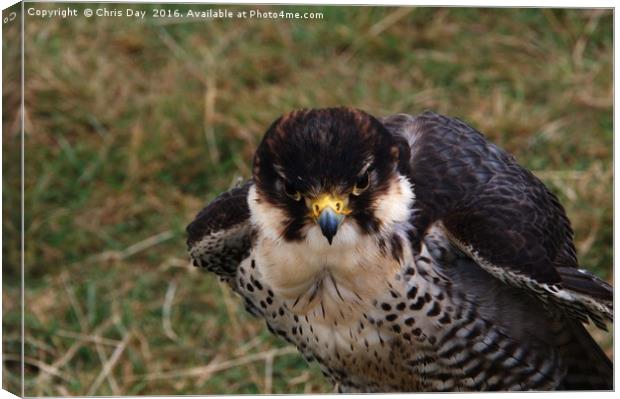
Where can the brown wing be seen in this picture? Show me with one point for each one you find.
(495, 210)
(219, 238)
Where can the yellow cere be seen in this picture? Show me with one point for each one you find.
(337, 204)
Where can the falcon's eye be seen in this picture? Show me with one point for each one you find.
(291, 192)
(361, 184)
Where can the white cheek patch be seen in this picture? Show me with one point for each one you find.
(266, 217)
(394, 206)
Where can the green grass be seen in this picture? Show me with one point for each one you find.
(132, 127)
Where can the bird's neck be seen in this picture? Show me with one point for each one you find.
(330, 280)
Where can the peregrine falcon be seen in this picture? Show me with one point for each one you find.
(406, 254)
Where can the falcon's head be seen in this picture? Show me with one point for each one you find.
(334, 173)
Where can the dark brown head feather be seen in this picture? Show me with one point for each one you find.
(325, 150)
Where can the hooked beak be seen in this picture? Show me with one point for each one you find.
(329, 212)
(329, 221)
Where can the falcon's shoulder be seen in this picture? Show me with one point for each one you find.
(497, 211)
(220, 236)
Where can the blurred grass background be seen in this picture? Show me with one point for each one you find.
(131, 126)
